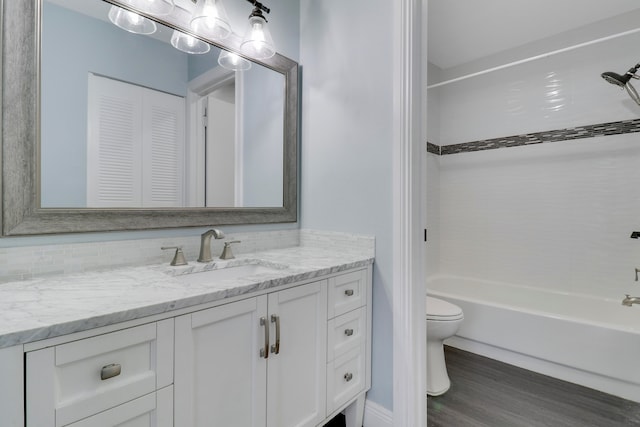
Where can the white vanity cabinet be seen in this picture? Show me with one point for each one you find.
(291, 356)
(256, 362)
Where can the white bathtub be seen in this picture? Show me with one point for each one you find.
(585, 340)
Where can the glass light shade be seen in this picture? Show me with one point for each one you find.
(231, 61)
(257, 42)
(210, 20)
(131, 21)
(188, 44)
(154, 7)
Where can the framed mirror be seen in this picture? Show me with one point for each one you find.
(108, 130)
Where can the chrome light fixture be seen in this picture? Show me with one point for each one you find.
(210, 20)
(131, 21)
(257, 42)
(188, 44)
(233, 61)
(624, 81)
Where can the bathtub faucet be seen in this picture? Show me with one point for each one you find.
(629, 300)
(637, 271)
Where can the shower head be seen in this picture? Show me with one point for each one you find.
(624, 81)
(615, 78)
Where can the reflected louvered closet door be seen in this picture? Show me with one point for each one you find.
(114, 144)
(163, 149)
(135, 146)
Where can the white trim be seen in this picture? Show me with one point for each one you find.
(376, 415)
(239, 186)
(409, 328)
(198, 88)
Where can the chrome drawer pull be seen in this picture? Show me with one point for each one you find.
(275, 348)
(264, 352)
(348, 376)
(348, 292)
(110, 371)
(348, 332)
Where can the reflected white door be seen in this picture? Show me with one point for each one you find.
(220, 151)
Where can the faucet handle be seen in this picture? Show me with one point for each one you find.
(178, 258)
(637, 271)
(226, 251)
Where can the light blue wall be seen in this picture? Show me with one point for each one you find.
(73, 45)
(346, 155)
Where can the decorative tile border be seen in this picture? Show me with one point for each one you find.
(433, 148)
(568, 134)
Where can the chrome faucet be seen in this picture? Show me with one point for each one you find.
(205, 243)
(629, 300)
(637, 271)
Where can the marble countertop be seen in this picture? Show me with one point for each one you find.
(53, 306)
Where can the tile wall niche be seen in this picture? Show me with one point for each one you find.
(21, 263)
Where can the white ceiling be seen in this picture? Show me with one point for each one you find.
(460, 31)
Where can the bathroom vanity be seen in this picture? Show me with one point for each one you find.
(277, 338)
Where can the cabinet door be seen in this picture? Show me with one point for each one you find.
(220, 377)
(296, 374)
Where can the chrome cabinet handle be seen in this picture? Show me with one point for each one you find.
(275, 348)
(110, 371)
(348, 292)
(348, 332)
(348, 376)
(264, 352)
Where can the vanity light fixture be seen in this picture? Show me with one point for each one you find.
(257, 42)
(210, 20)
(188, 44)
(232, 61)
(131, 21)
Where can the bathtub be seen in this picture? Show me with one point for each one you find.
(590, 341)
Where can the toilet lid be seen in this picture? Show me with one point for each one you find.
(442, 310)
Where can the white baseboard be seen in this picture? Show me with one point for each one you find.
(376, 415)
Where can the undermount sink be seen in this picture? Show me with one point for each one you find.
(224, 273)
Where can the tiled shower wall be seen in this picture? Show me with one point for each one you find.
(556, 214)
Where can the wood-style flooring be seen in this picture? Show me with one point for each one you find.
(488, 393)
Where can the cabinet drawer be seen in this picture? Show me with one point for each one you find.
(73, 381)
(346, 332)
(345, 377)
(152, 410)
(347, 292)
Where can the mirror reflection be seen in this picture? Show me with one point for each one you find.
(130, 121)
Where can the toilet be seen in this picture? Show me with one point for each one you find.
(443, 320)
